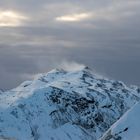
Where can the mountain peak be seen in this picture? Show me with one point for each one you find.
(64, 105)
(59, 70)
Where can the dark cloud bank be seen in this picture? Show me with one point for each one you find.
(103, 35)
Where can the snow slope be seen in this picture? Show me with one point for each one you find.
(127, 127)
(63, 105)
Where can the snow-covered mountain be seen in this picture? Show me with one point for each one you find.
(127, 127)
(63, 105)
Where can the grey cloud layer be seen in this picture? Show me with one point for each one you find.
(108, 41)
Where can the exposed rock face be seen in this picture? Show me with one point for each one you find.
(64, 105)
(127, 127)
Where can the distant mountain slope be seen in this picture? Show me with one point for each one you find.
(127, 127)
(63, 105)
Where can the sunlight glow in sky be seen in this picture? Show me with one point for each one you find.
(11, 19)
(38, 35)
(73, 17)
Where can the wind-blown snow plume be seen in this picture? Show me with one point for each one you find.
(74, 66)
(71, 66)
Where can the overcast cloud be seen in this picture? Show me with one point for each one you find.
(39, 35)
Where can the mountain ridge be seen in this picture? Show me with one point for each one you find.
(127, 127)
(60, 103)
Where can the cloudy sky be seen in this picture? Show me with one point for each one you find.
(39, 35)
